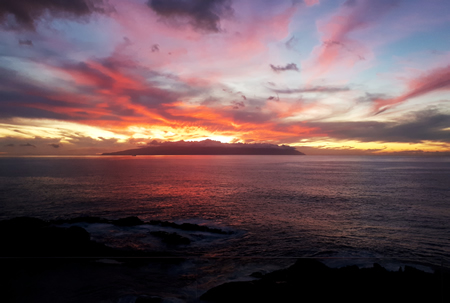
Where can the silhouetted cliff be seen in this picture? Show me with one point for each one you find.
(209, 147)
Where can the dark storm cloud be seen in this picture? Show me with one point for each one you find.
(428, 125)
(315, 89)
(27, 12)
(203, 15)
(290, 66)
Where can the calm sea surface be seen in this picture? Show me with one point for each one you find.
(275, 206)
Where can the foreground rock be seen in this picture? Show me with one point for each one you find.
(188, 227)
(311, 281)
(135, 221)
(171, 238)
(32, 237)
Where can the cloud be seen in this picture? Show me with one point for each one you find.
(434, 80)
(28, 145)
(155, 48)
(314, 89)
(237, 104)
(290, 44)
(75, 143)
(27, 12)
(290, 66)
(337, 47)
(26, 42)
(311, 2)
(342, 150)
(202, 15)
(426, 125)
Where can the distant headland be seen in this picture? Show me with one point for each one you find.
(209, 147)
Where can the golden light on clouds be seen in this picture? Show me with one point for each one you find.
(344, 85)
(46, 128)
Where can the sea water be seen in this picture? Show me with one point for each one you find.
(332, 207)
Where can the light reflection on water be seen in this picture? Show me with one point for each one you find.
(277, 206)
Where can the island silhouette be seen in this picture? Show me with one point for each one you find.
(209, 147)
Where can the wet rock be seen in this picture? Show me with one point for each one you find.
(188, 227)
(171, 238)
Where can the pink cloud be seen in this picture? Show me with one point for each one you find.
(237, 49)
(338, 48)
(435, 80)
(311, 2)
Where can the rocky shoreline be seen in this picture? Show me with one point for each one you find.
(311, 281)
(44, 262)
(32, 237)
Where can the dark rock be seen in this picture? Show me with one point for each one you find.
(148, 299)
(88, 219)
(257, 275)
(233, 292)
(128, 221)
(309, 280)
(171, 238)
(23, 223)
(30, 237)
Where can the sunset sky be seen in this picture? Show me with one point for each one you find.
(326, 76)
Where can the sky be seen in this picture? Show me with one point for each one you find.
(329, 77)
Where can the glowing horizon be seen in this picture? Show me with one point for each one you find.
(328, 77)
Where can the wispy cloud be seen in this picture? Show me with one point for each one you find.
(434, 80)
(338, 48)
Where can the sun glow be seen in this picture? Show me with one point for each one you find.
(377, 147)
(45, 128)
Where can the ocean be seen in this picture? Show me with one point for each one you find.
(341, 209)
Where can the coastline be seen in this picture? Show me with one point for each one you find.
(40, 267)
